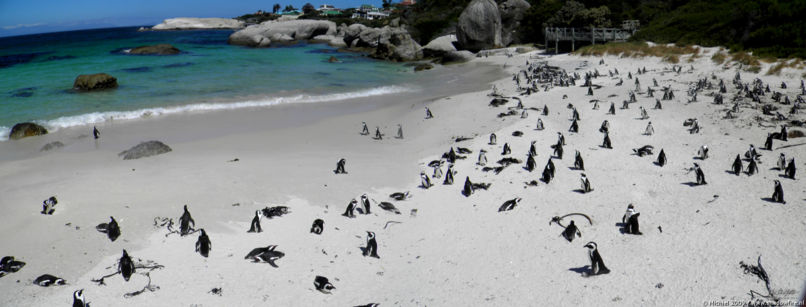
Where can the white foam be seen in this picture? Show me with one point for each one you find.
(99, 117)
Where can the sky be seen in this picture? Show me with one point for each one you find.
(19, 17)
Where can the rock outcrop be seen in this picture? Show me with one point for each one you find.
(512, 12)
(95, 82)
(23, 130)
(145, 149)
(291, 30)
(479, 26)
(439, 46)
(387, 43)
(161, 49)
(199, 23)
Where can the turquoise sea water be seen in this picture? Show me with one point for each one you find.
(37, 74)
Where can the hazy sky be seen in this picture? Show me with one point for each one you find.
(34, 16)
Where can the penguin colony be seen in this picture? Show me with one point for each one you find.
(532, 79)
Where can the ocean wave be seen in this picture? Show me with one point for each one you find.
(99, 117)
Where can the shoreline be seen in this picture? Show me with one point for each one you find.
(457, 250)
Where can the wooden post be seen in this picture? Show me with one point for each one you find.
(593, 36)
(546, 38)
(572, 39)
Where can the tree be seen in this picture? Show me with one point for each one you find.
(387, 4)
(275, 8)
(308, 8)
(289, 8)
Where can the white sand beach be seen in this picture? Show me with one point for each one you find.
(455, 250)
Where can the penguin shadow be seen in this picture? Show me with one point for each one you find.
(657, 163)
(770, 200)
(698, 158)
(581, 191)
(730, 172)
(784, 176)
(622, 227)
(365, 253)
(690, 183)
(582, 271)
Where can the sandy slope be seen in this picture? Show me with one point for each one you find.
(457, 250)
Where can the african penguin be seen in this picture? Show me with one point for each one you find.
(372, 246)
(126, 266)
(597, 264)
(203, 245)
(255, 226)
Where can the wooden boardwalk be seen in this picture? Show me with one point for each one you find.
(592, 35)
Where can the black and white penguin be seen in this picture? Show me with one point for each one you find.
(95, 133)
(778, 193)
(78, 299)
(47, 280)
(255, 226)
(781, 162)
(605, 127)
(571, 231)
(365, 203)
(558, 150)
(768, 142)
(661, 158)
(318, 226)
(185, 222)
(539, 124)
(48, 205)
(203, 244)
(545, 110)
(493, 139)
(789, 172)
(113, 230)
(10, 265)
(530, 163)
(590, 91)
(126, 266)
(378, 134)
(350, 209)
(612, 109)
(265, 254)
(399, 131)
(340, 166)
(585, 184)
(506, 150)
(737, 166)
(467, 190)
(364, 130)
(597, 264)
(752, 168)
(630, 220)
(482, 157)
(509, 204)
(606, 142)
(546, 176)
(700, 174)
(649, 130)
(703, 152)
(784, 133)
(578, 163)
(574, 127)
(425, 181)
(428, 113)
(532, 149)
(372, 246)
(448, 175)
(322, 284)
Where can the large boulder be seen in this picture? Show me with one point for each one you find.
(22, 130)
(199, 23)
(479, 26)
(393, 44)
(460, 56)
(161, 49)
(351, 32)
(512, 12)
(261, 35)
(439, 46)
(95, 82)
(145, 149)
(332, 40)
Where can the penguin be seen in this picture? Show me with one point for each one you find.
(571, 231)
(700, 174)
(545, 110)
(322, 284)
(95, 133)
(661, 158)
(404, 195)
(649, 129)
(78, 299)
(185, 222)
(585, 184)
(365, 203)
(255, 226)
(506, 150)
(428, 113)
(658, 105)
(575, 115)
(752, 168)
(126, 266)
(113, 230)
(778, 193)
(643, 150)
(372, 246)
(340, 166)
(365, 130)
(781, 162)
(437, 171)
(532, 149)
(539, 124)
(350, 208)
(560, 138)
(737, 165)
(605, 127)
(578, 163)
(703, 152)
(768, 142)
(751, 153)
(790, 169)
(378, 135)
(47, 280)
(784, 133)
(574, 127)
(644, 115)
(448, 176)
(530, 163)
(546, 174)
(318, 226)
(425, 182)
(509, 204)
(612, 110)
(558, 150)
(606, 142)
(493, 139)
(597, 264)
(48, 205)
(265, 254)
(630, 220)
(467, 190)
(203, 244)
(9, 265)
(399, 131)
(524, 114)
(550, 166)
(590, 91)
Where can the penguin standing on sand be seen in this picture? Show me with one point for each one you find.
(506, 150)
(612, 110)
(437, 171)
(449, 175)
(558, 149)
(571, 231)
(530, 163)
(425, 182)
(778, 193)
(585, 184)
(185, 222)
(372, 246)
(781, 162)
(318, 226)
(255, 226)
(365, 203)
(378, 135)
(790, 169)
(737, 166)
(703, 152)
(428, 113)
(700, 174)
(578, 163)
(539, 124)
(649, 129)
(605, 127)
(78, 299)
(661, 158)
(365, 130)
(399, 131)
(545, 110)
(606, 142)
(546, 174)
(752, 168)
(95, 133)
(574, 127)
(126, 266)
(768, 142)
(493, 139)
(203, 245)
(467, 190)
(350, 209)
(597, 264)
(630, 221)
(482, 157)
(112, 229)
(784, 133)
(340, 166)
(532, 149)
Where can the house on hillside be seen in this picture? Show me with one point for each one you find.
(407, 2)
(368, 11)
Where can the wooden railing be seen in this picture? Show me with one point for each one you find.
(592, 35)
